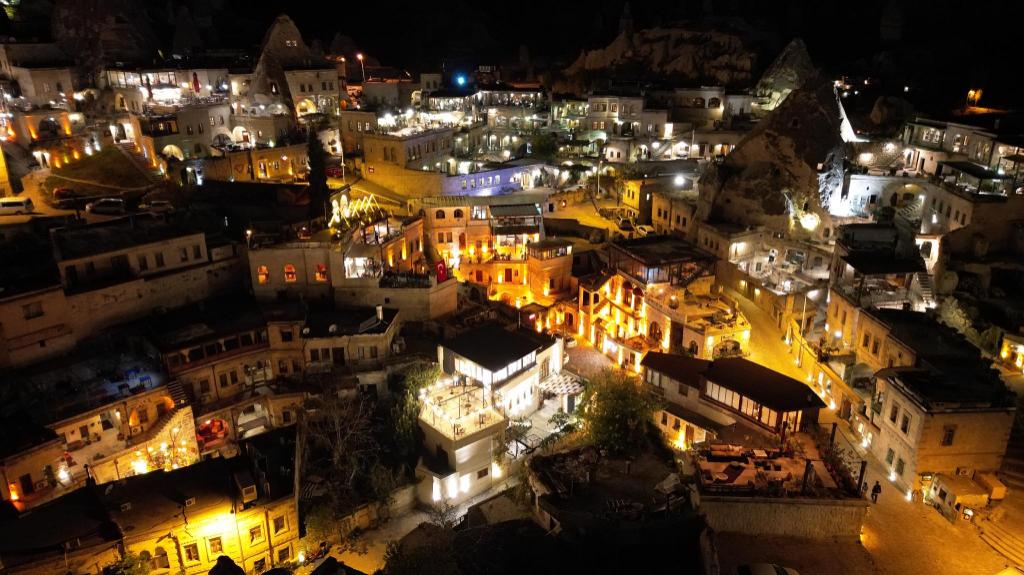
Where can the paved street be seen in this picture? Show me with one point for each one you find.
(767, 346)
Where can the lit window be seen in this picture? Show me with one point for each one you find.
(263, 275)
(279, 524)
(321, 272)
(289, 273)
(216, 546)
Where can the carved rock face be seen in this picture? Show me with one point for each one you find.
(787, 168)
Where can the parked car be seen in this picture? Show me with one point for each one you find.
(109, 206)
(157, 207)
(764, 569)
(66, 197)
(16, 206)
(626, 225)
(642, 231)
(334, 171)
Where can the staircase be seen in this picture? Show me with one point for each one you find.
(927, 288)
(1007, 544)
(177, 393)
(140, 161)
(1012, 472)
(911, 211)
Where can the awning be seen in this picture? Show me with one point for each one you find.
(563, 383)
(515, 210)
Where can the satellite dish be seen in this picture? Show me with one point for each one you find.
(305, 331)
(332, 328)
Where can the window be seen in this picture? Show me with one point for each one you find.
(191, 552)
(262, 275)
(864, 342)
(900, 465)
(286, 334)
(905, 423)
(184, 255)
(482, 473)
(458, 213)
(279, 524)
(204, 386)
(439, 215)
(260, 565)
(283, 554)
(874, 346)
(889, 455)
(143, 262)
(197, 252)
(216, 546)
(188, 129)
(894, 412)
(223, 379)
(321, 273)
(948, 432)
(32, 310)
(159, 257)
(255, 534)
(289, 273)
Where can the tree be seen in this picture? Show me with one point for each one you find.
(225, 566)
(544, 147)
(130, 564)
(317, 174)
(614, 411)
(406, 412)
(444, 515)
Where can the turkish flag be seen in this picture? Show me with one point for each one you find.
(442, 272)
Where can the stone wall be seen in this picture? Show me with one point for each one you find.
(807, 518)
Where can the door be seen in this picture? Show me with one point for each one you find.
(508, 275)
(545, 369)
(263, 168)
(26, 484)
(338, 353)
(570, 403)
(83, 431)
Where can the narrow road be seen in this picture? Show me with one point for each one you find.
(767, 343)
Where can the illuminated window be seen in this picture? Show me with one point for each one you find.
(216, 546)
(255, 534)
(283, 554)
(263, 275)
(321, 272)
(289, 273)
(191, 552)
(279, 524)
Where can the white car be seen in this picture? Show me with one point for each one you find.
(764, 569)
(110, 206)
(16, 206)
(157, 207)
(642, 231)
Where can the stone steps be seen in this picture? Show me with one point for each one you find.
(1007, 544)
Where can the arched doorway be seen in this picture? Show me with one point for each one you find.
(48, 128)
(172, 151)
(692, 348)
(654, 331)
(306, 106)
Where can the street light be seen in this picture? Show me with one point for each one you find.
(359, 57)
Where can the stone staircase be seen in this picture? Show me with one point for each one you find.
(178, 393)
(139, 160)
(911, 211)
(927, 288)
(1007, 544)
(1012, 472)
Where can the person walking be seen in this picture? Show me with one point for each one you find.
(875, 491)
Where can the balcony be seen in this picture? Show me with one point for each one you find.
(459, 411)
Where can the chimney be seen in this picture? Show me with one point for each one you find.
(380, 313)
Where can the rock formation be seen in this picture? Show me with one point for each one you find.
(678, 54)
(788, 72)
(783, 174)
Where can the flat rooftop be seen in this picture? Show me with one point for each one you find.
(75, 242)
(205, 321)
(658, 250)
(458, 411)
(494, 347)
(347, 321)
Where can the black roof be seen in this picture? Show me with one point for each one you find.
(875, 263)
(761, 384)
(347, 321)
(660, 249)
(494, 347)
(682, 368)
(765, 386)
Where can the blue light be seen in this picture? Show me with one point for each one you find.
(460, 80)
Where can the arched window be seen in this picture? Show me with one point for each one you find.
(462, 241)
(458, 213)
(692, 348)
(262, 275)
(289, 273)
(714, 103)
(698, 102)
(439, 215)
(160, 560)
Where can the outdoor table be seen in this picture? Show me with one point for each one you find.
(760, 453)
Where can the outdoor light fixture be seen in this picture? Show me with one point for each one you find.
(460, 80)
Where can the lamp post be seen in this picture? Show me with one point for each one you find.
(362, 68)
